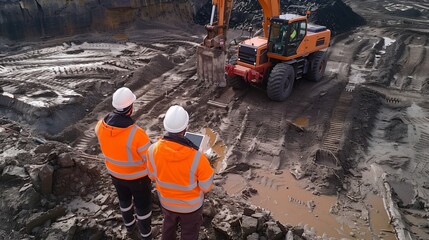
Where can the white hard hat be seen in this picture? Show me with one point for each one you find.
(176, 119)
(122, 98)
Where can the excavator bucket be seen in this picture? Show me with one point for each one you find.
(211, 65)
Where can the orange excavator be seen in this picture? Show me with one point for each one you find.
(290, 49)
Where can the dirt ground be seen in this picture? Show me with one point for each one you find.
(346, 157)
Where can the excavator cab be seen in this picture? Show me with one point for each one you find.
(284, 37)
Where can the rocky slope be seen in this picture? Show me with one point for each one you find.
(52, 191)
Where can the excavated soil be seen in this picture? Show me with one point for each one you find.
(346, 157)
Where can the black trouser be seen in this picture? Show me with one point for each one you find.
(189, 224)
(140, 190)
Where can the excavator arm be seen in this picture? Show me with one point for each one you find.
(211, 53)
(216, 31)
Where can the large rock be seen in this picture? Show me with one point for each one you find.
(253, 236)
(249, 225)
(29, 198)
(13, 172)
(209, 209)
(262, 217)
(225, 221)
(46, 178)
(273, 231)
(37, 219)
(65, 227)
(44, 148)
(33, 172)
(65, 160)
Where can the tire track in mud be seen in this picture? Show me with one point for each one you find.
(35, 54)
(356, 53)
(45, 78)
(63, 73)
(412, 60)
(157, 92)
(421, 146)
(336, 129)
(262, 125)
(258, 132)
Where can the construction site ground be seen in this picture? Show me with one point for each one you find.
(347, 157)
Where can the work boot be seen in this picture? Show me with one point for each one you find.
(133, 232)
(156, 230)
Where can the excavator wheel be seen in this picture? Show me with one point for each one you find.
(280, 82)
(317, 66)
(236, 82)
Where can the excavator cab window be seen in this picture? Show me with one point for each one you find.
(284, 38)
(298, 30)
(277, 38)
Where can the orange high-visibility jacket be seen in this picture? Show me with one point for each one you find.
(182, 175)
(124, 150)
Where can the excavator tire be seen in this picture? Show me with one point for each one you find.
(280, 82)
(317, 66)
(236, 82)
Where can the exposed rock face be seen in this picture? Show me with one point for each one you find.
(45, 18)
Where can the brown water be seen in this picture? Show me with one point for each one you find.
(302, 121)
(289, 203)
(120, 36)
(379, 220)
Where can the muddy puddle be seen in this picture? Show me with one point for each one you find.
(120, 36)
(291, 204)
(379, 221)
(302, 121)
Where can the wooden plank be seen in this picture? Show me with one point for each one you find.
(217, 104)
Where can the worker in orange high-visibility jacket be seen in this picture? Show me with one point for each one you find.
(124, 146)
(182, 175)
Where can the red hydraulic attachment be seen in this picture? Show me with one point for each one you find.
(253, 76)
(229, 70)
(248, 74)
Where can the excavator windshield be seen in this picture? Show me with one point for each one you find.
(277, 39)
(285, 36)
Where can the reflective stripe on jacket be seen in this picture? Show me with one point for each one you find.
(182, 175)
(124, 150)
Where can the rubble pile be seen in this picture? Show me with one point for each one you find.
(51, 191)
